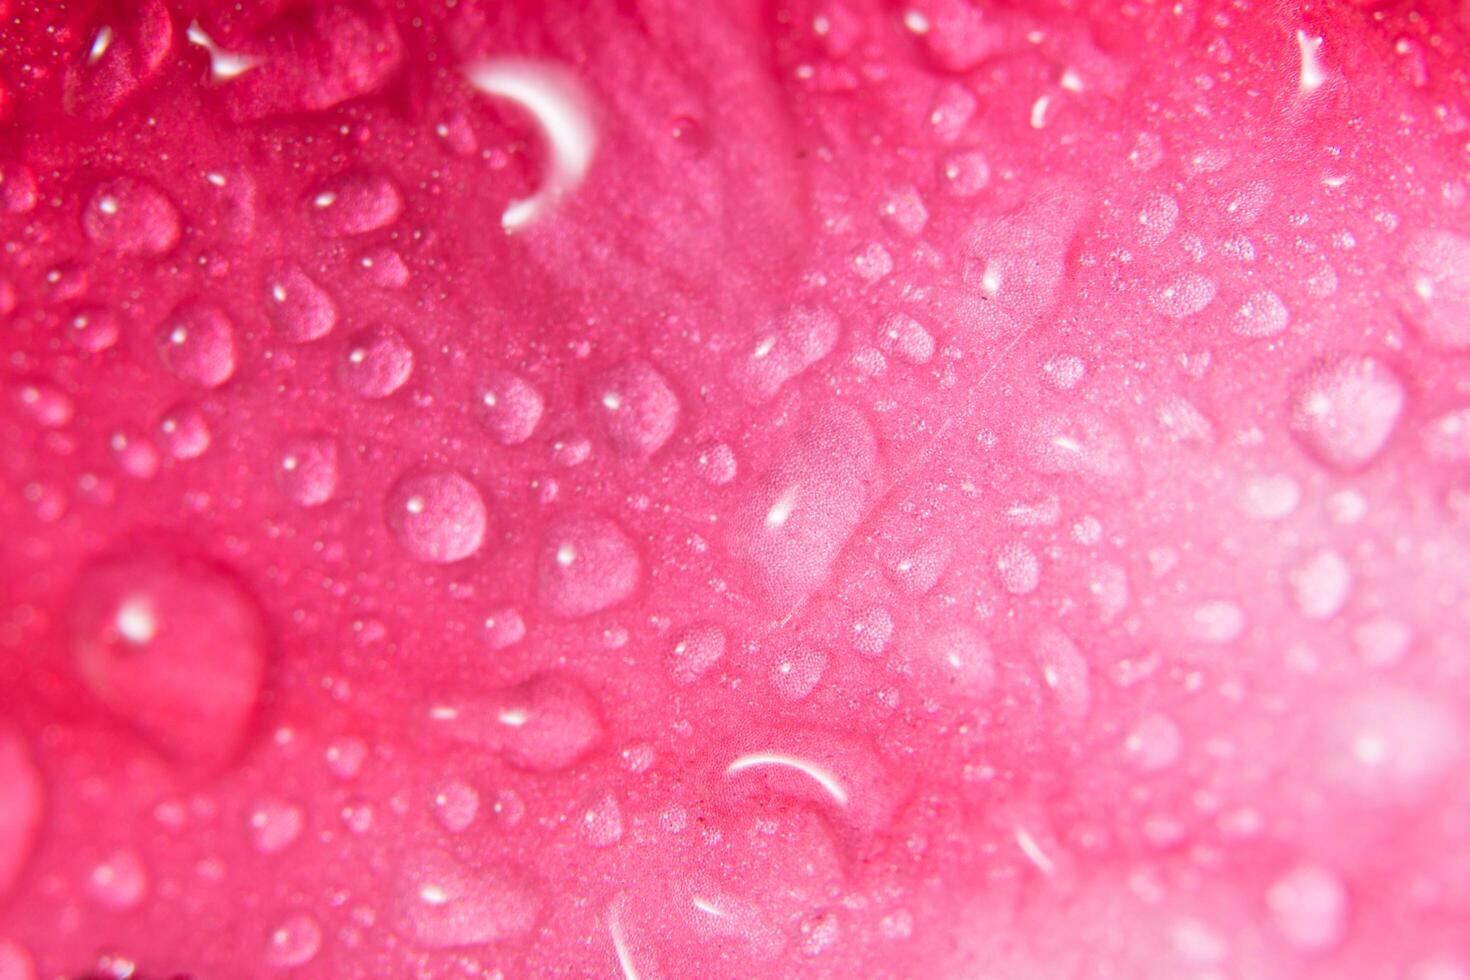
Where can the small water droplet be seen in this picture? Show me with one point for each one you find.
(1344, 411)
(906, 338)
(131, 216)
(1309, 907)
(796, 670)
(43, 403)
(601, 823)
(1154, 744)
(1185, 295)
(903, 210)
(871, 631)
(456, 804)
(298, 308)
(307, 469)
(511, 407)
(437, 517)
(345, 757)
(197, 344)
(961, 660)
(696, 651)
(21, 808)
(1261, 314)
(384, 268)
(184, 432)
(447, 905)
(354, 204)
(119, 881)
(504, 628)
(1217, 621)
(1157, 219)
(966, 173)
(716, 464)
(637, 409)
(1435, 293)
(377, 362)
(92, 331)
(1018, 568)
(1321, 585)
(294, 942)
(1063, 670)
(17, 187)
(274, 825)
(587, 564)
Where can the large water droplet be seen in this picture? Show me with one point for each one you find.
(295, 942)
(512, 407)
(1309, 907)
(354, 204)
(274, 825)
(173, 646)
(298, 308)
(783, 349)
(696, 651)
(197, 344)
(21, 807)
(1436, 287)
(446, 905)
(131, 216)
(437, 517)
(1344, 412)
(1063, 670)
(1079, 444)
(307, 469)
(636, 407)
(544, 725)
(376, 363)
(587, 564)
(119, 881)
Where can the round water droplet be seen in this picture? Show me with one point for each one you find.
(511, 407)
(696, 651)
(92, 331)
(504, 628)
(966, 173)
(43, 403)
(136, 456)
(298, 308)
(636, 408)
(1018, 568)
(307, 469)
(959, 659)
(437, 517)
(119, 881)
(295, 942)
(871, 631)
(1157, 219)
(21, 808)
(446, 905)
(1262, 314)
(345, 757)
(1435, 293)
(17, 187)
(716, 464)
(587, 564)
(601, 824)
(354, 204)
(1344, 412)
(1185, 295)
(1063, 670)
(197, 344)
(1154, 744)
(906, 338)
(797, 670)
(130, 216)
(544, 725)
(1321, 585)
(903, 210)
(376, 363)
(456, 804)
(184, 432)
(1309, 907)
(173, 646)
(274, 825)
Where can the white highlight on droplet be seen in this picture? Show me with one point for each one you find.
(223, 65)
(556, 100)
(1312, 75)
(100, 44)
(817, 774)
(1034, 853)
(135, 621)
(620, 943)
(1038, 111)
(708, 908)
(780, 511)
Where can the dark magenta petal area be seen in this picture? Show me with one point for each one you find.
(746, 488)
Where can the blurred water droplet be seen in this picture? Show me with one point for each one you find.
(15, 960)
(447, 905)
(294, 942)
(298, 308)
(1321, 585)
(307, 469)
(1309, 906)
(601, 824)
(354, 204)
(1435, 289)
(274, 825)
(437, 517)
(1344, 411)
(1261, 314)
(184, 432)
(21, 808)
(1154, 744)
(504, 628)
(93, 330)
(636, 407)
(17, 187)
(696, 651)
(132, 217)
(119, 881)
(43, 403)
(197, 344)
(456, 804)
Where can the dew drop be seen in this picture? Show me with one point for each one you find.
(1063, 670)
(294, 942)
(1154, 744)
(197, 344)
(456, 805)
(511, 407)
(15, 960)
(905, 338)
(903, 210)
(1321, 585)
(1157, 219)
(377, 362)
(298, 308)
(636, 408)
(1185, 295)
(1271, 497)
(274, 825)
(1018, 568)
(437, 517)
(119, 881)
(92, 331)
(601, 823)
(384, 268)
(354, 204)
(587, 564)
(716, 464)
(797, 670)
(504, 628)
(1216, 621)
(44, 403)
(1435, 295)
(183, 432)
(132, 217)
(871, 631)
(345, 757)
(695, 652)
(961, 660)
(173, 646)
(17, 187)
(966, 173)
(307, 469)
(783, 349)
(1343, 412)
(1308, 906)
(447, 905)
(1262, 314)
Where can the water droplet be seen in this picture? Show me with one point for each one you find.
(307, 469)
(1321, 585)
(636, 407)
(906, 338)
(17, 187)
(544, 725)
(274, 825)
(376, 363)
(119, 881)
(197, 344)
(587, 564)
(184, 432)
(1154, 744)
(504, 628)
(1344, 412)
(446, 905)
(298, 308)
(783, 349)
(601, 824)
(130, 216)
(1261, 314)
(354, 204)
(797, 670)
(1216, 621)
(1436, 287)
(966, 173)
(358, 817)
(1080, 445)
(43, 403)
(696, 651)
(173, 646)
(384, 268)
(960, 659)
(437, 517)
(15, 960)
(345, 757)
(871, 631)
(20, 808)
(1018, 568)
(1382, 641)
(716, 464)
(512, 407)
(1271, 497)
(295, 942)
(1309, 907)
(1447, 438)
(903, 210)
(1063, 671)
(456, 804)
(1391, 746)
(872, 262)
(92, 331)
(1185, 295)
(1157, 219)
